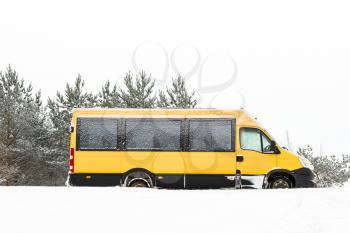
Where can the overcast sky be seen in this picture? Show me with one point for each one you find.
(290, 60)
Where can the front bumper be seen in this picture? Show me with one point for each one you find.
(304, 178)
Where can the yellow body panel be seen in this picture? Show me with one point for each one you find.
(210, 162)
(179, 162)
(97, 162)
(288, 160)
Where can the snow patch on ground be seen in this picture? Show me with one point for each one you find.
(104, 210)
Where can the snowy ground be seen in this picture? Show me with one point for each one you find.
(99, 210)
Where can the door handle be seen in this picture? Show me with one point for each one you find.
(239, 158)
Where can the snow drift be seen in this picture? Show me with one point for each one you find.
(102, 210)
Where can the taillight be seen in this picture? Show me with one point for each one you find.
(71, 161)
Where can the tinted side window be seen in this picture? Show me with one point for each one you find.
(153, 134)
(210, 135)
(97, 134)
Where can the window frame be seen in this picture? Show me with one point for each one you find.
(260, 136)
(262, 144)
(184, 133)
(77, 141)
(123, 142)
(233, 139)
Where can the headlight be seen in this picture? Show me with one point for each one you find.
(306, 163)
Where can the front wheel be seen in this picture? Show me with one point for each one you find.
(280, 182)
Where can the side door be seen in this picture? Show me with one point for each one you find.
(255, 156)
(210, 153)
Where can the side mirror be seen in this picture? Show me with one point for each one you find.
(274, 147)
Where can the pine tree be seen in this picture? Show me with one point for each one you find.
(60, 114)
(23, 131)
(177, 95)
(8, 169)
(163, 101)
(18, 108)
(329, 170)
(138, 93)
(109, 97)
(60, 108)
(74, 97)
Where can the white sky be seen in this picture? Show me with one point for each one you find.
(292, 56)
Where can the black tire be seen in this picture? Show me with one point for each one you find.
(139, 184)
(138, 178)
(280, 182)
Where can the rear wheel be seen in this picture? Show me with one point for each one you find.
(280, 182)
(138, 178)
(139, 184)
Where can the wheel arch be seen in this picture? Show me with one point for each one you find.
(148, 176)
(279, 172)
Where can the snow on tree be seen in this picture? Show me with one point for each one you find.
(20, 108)
(8, 172)
(177, 95)
(109, 97)
(138, 92)
(329, 170)
(61, 107)
(24, 134)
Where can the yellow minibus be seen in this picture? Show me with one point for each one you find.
(179, 148)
